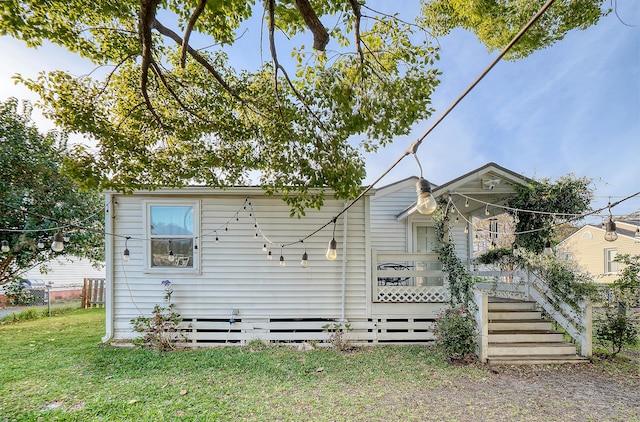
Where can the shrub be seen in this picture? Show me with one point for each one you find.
(17, 295)
(336, 338)
(162, 330)
(455, 331)
(615, 329)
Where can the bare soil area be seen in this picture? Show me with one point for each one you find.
(583, 392)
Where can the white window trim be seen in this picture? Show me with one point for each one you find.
(146, 204)
(607, 261)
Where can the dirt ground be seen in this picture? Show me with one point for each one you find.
(582, 392)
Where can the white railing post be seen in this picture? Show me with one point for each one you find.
(586, 345)
(482, 320)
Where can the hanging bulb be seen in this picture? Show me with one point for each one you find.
(547, 248)
(637, 232)
(332, 253)
(466, 203)
(269, 256)
(426, 202)
(486, 210)
(195, 248)
(58, 243)
(453, 209)
(126, 255)
(516, 250)
(66, 238)
(476, 238)
(282, 263)
(610, 234)
(466, 229)
(5, 246)
(264, 247)
(217, 239)
(171, 256)
(492, 246)
(304, 262)
(457, 220)
(40, 244)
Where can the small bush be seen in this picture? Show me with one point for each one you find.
(17, 295)
(455, 332)
(616, 329)
(160, 331)
(336, 338)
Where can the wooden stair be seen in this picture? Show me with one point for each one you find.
(518, 335)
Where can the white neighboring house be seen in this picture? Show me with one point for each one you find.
(386, 282)
(65, 275)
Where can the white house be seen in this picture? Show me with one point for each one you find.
(386, 282)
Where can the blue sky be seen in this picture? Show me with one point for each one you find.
(571, 108)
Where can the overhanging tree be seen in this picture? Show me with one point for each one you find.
(36, 199)
(173, 108)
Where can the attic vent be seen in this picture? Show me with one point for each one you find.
(490, 184)
(587, 236)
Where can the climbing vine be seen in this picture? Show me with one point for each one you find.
(460, 279)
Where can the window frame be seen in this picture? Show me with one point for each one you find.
(146, 212)
(610, 266)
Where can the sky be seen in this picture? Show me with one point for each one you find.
(573, 108)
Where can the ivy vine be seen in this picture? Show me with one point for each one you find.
(460, 279)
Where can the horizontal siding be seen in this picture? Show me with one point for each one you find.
(387, 233)
(235, 272)
(66, 272)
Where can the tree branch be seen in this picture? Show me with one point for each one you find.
(320, 34)
(199, 58)
(145, 20)
(187, 32)
(355, 6)
(175, 96)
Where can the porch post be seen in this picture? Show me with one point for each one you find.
(482, 319)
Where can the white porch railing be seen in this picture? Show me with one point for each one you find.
(527, 286)
(408, 277)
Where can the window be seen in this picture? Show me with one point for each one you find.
(568, 256)
(172, 233)
(610, 265)
(493, 228)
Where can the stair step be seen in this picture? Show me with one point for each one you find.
(525, 336)
(511, 305)
(520, 325)
(527, 349)
(536, 360)
(517, 314)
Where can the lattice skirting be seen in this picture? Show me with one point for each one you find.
(213, 332)
(404, 294)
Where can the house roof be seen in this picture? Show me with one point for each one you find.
(489, 184)
(621, 230)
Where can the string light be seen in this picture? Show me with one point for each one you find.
(126, 249)
(171, 256)
(58, 242)
(516, 249)
(40, 243)
(332, 252)
(486, 210)
(466, 203)
(66, 238)
(5, 246)
(610, 234)
(282, 262)
(547, 248)
(269, 256)
(304, 263)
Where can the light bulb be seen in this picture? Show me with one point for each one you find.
(5, 246)
(486, 211)
(264, 247)
(40, 244)
(269, 256)
(171, 256)
(466, 229)
(58, 243)
(466, 203)
(637, 232)
(65, 238)
(610, 234)
(282, 263)
(547, 248)
(492, 246)
(516, 250)
(304, 262)
(332, 253)
(126, 255)
(426, 202)
(217, 240)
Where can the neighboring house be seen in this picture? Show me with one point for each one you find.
(66, 272)
(596, 256)
(386, 282)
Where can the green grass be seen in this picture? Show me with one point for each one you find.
(57, 369)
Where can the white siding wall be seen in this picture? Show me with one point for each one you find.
(66, 272)
(235, 273)
(387, 233)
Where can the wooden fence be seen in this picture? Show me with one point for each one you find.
(93, 292)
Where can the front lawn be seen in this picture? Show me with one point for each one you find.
(56, 369)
